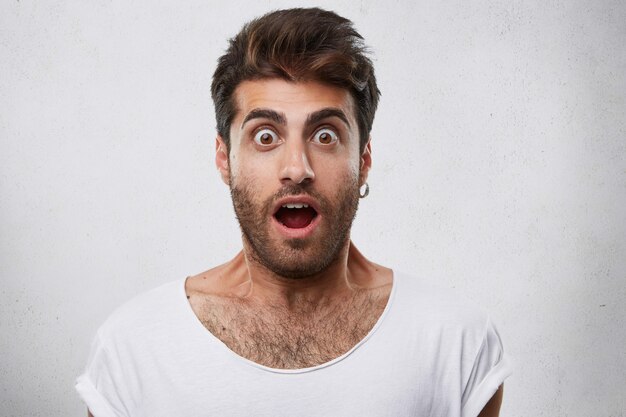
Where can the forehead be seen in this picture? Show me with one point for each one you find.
(294, 99)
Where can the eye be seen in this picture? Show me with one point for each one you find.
(265, 137)
(325, 136)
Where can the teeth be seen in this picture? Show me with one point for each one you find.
(295, 206)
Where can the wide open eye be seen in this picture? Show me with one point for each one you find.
(325, 136)
(265, 137)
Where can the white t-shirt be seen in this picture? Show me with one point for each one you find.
(429, 354)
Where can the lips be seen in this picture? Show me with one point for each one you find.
(296, 217)
(295, 212)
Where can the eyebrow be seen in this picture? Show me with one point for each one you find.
(272, 115)
(312, 119)
(318, 116)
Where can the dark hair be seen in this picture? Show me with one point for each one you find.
(297, 45)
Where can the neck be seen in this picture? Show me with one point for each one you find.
(350, 272)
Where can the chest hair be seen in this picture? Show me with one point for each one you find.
(289, 338)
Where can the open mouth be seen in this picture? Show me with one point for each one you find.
(295, 215)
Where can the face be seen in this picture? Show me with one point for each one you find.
(294, 170)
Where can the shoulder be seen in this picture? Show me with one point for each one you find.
(131, 342)
(438, 309)
(143, 312)
(446, 325)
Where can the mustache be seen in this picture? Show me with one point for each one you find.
(295, 189)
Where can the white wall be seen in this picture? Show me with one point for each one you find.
(499, 169)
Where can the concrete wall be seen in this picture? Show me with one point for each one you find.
(499, 169)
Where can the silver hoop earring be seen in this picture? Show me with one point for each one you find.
(366, 192)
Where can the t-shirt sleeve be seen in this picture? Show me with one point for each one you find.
(99, 386)
(490, 369)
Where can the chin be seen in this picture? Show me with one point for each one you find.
(299, 263)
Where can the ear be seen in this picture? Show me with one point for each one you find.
(221, 159)
(365, 163)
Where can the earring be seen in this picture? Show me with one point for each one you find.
(366, 192)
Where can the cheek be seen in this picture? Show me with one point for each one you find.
(233, 168)
(356, 168)
(257, 171)
(332, 174)
(345, 162)
(354, 159)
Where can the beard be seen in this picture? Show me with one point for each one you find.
(297, 257)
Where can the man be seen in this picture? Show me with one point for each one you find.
(299, 322)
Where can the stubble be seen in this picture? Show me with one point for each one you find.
(296, 258)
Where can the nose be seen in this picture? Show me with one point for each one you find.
(296, 166)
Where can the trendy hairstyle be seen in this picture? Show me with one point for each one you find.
(297, 45)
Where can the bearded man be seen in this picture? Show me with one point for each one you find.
(299, 322)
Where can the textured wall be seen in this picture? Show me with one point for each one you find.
(499, 169)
